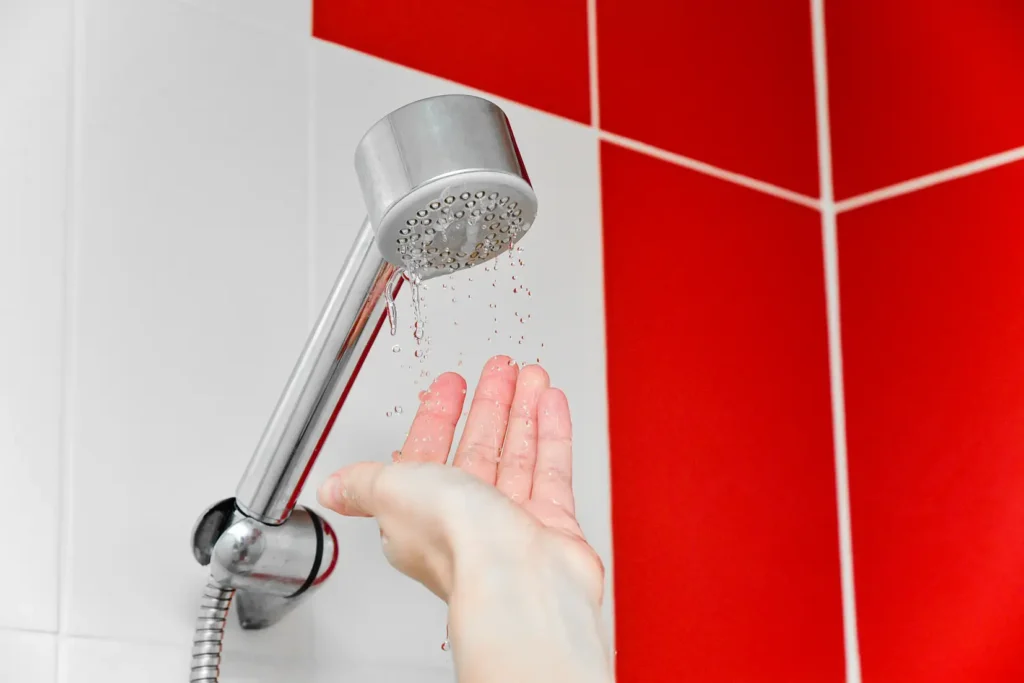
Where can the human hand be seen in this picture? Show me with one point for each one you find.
(498, 527)
(517, 442)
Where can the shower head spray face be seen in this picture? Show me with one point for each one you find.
(444, 185)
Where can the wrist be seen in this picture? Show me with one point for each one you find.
(526, 618)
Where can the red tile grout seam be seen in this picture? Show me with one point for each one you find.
(595, 121)
(708, 169)
(595, 100)
(930, 179)
(830, 252)
(857, 201)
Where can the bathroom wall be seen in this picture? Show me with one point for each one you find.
(776, 270)
(177, 196)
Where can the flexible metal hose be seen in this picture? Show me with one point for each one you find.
(206, 644)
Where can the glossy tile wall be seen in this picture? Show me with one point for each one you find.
(776, 272)
(178, 195)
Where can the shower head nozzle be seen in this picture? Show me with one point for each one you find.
(444, 184)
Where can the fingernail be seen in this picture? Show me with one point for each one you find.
(331, 493)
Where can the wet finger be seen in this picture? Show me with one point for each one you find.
(482, 439)
(552, 476)
(519, 455)
(353, 490)
(433, 429)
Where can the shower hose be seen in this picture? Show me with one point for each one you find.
(206, 644)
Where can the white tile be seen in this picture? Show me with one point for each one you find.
(367, 610)
(189, 305)
(35, 42)
(289, 16)
(88, 661)
(28, 657)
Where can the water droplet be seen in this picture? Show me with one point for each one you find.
(398, 409)
(388, 414)
(389, 300)
(515, 290)
(446, 646)
(494, 305)
(396, 348)
(513, 277)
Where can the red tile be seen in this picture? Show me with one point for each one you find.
(917, 86)
(529, 51)
(723, 487)
(933, 340)
(730, 84)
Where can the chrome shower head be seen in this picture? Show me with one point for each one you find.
(444, 184)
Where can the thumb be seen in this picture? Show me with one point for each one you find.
(353, 490)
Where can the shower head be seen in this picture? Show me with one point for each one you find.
(445, 189)
(444, 184)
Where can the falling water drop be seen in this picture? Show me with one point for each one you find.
(389, 300)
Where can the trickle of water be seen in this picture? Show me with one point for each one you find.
(420, 321)
(389, 300)
(447, 644)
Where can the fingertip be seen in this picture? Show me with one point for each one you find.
(534, 375)
(449, 380)
(330, 493)
(351, 490)
(554, 399)
(500, 363)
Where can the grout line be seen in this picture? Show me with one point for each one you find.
(68, 327)
(311, 176)
(595, 100)
(708, 169)
(830, 251)
(922, 182)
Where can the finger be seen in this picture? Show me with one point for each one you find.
(353, 491)
(519, 455)
(433, 429)
(552, 477)
(480, 447)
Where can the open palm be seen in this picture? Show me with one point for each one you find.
(517, 440)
